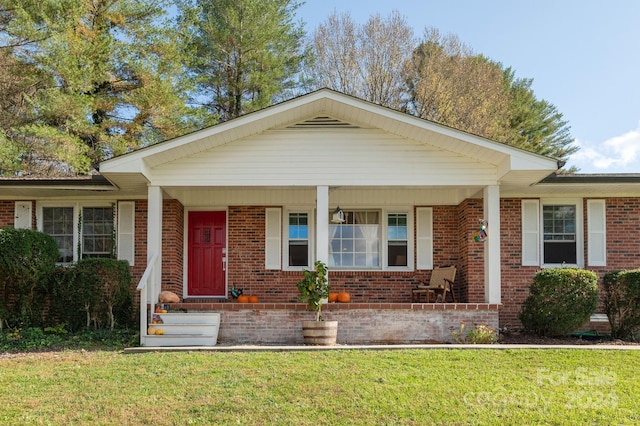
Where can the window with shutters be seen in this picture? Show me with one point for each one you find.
(84, 230)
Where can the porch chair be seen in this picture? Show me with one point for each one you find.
(440, 284)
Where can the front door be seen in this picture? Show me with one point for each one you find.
(207, 251)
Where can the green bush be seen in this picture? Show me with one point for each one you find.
(103, 289)
(622, 303)
(26, 259)
(480, 334)
(560, 301)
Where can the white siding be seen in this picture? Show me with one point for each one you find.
(126, 231)
(530, 233)
(424, 237)
(329, 157)
(273, 246)
(597, 235)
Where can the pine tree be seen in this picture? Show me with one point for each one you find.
(244, 53)
(109, 73)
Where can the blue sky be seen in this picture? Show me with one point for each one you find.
(583, 55)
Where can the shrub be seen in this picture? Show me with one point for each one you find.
(26, 259)
(481, 334)
(622, 303)
(561, 300)
(102, 287)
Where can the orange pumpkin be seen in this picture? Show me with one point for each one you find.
(333, 297)
(344, 297)
(243, 299)
(253, 299)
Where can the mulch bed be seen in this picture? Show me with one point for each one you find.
(520, 338)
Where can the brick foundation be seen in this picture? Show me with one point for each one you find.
(358, 323)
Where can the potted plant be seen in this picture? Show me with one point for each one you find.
(314, 291)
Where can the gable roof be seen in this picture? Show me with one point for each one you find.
(326, 110)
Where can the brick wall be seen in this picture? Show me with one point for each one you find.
(356, 324)
(471, 268)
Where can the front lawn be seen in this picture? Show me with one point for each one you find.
(436, 386)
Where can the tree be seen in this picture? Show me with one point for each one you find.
(109, 81)
(363, 60)
(450, 84)
(244, 53)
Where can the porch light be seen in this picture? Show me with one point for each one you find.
(338, 216)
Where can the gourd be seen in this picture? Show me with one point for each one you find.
(253, 299)
(333, 297)
(344, 297)
(159, 332)
(151, 331)
(243, 299)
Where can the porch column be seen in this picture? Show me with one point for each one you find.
(322, 224)
(492, 285)
(154, 240)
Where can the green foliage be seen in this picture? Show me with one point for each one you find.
(314, 287)
(93, 81)
(35, 339)
(622, 303)
(560, 301)
(244, 53)
(26, 259)
(480, 334)
(103, 287)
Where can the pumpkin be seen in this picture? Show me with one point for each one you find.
(243, 299)
(151, 331)
(344, 297)
(253, 299)
(159, 332)
(168, 297)
(333, 297)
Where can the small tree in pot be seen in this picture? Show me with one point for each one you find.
(314, 288)
(314, 291)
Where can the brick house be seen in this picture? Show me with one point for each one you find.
(249, 204)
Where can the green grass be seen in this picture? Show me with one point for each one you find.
(412, 387)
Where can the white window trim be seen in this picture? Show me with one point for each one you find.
(77, 206)
(311, 220)
(579, 230)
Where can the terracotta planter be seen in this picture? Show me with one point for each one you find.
(321, 333)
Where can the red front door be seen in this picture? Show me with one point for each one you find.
(207, 252)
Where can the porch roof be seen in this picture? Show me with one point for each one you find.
(412, 151)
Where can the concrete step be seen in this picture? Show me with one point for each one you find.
(190, 318)
(184, 329)
(180, 340)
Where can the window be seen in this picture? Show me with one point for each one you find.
(97, 232)
(356, 242)
(298, 239)
(559, 234)
(397, 239)
(80, 231)
(59, 223)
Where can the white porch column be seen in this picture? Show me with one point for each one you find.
(492, 286)
(154, 240)
(322, 224)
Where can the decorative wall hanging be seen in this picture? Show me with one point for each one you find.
(480, 236)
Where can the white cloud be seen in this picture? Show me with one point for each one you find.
(619, 154)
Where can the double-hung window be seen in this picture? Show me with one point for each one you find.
(59, 222)
(97, 232)
(298, 239)
(397, 239)
(559, 234)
